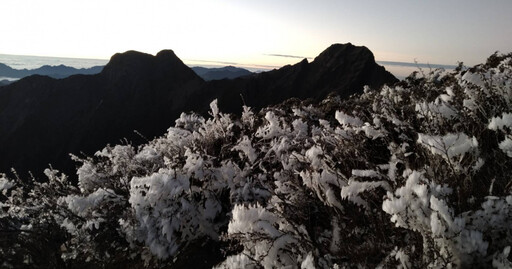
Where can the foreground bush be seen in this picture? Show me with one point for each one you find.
(414, 175)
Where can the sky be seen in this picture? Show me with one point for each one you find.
(258, 33)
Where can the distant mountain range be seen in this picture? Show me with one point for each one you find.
(228, 72)
(59, 71)
(44, 119)
(62, 71)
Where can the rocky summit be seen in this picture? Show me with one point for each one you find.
(342, 68)
(44, 119)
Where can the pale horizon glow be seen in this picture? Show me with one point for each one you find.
(250, 33)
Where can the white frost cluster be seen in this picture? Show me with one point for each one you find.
(498, 123)
(448, 146)
(245, 146)
(5, 184)
(421, 206)
(85, 205)
(276, 240)
(503, 124)
(346, 120)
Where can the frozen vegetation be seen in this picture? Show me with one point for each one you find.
(417, 175)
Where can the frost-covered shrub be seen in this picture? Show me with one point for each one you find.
(414, 175)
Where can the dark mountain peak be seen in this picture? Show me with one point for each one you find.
(337, 54)
(126, 60)
(167, 55)
(338, 47)
(133, 64)
(133, 57)
(168, 63)
(346, 68)
(342, 68)
(129, 54)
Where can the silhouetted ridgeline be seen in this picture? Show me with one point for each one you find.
(44, 119)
